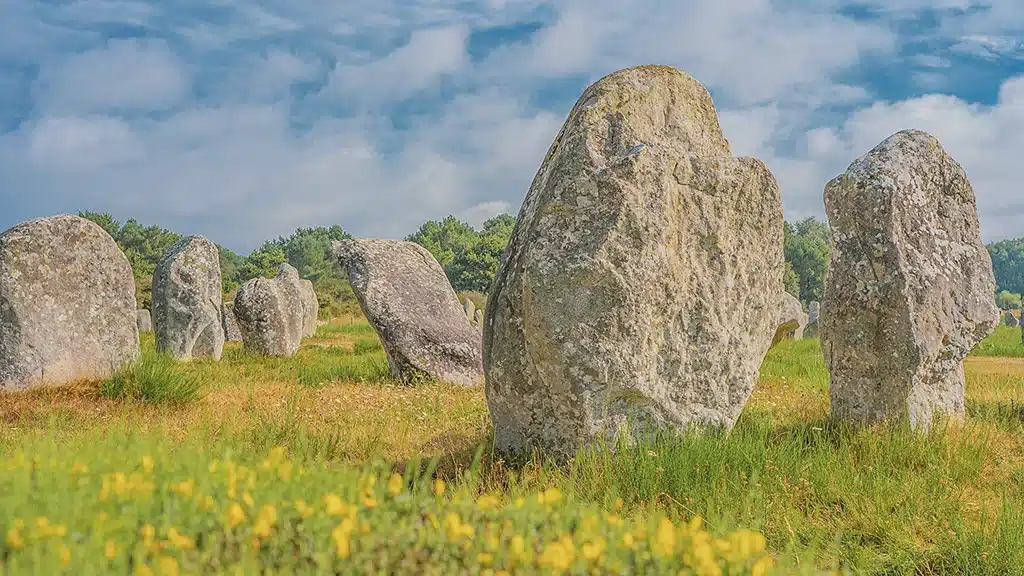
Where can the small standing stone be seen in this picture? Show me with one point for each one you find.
(1011, 320)
(909, 287)
(232, 333)
(478, 317)
(270, 313)
(310, 309)
(469, 308)
(792, 319)
(144, 320)
(813, 313)
(187, 300)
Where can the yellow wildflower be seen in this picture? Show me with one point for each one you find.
(334, 505)
(235, 516)
(148, 464)
(65, 555)
(304, 510)
(340, 535)
(664, 539)
(184, 487)
(487, 502)
(247, 498)
(484, 558)
(265, 521)
(168, 566)
(559, 555)
(761, 567)
(369, 501)
(549, 496)
(179, 540)
(78, 468)
(456, 528)
(594, 549)
(14, 539)
(143, 570)
(439, 486)
(619, 503)
(110, 549)
(395, 485)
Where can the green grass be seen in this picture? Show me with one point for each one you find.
(880, 500)
(155, 378)
(1004, 342)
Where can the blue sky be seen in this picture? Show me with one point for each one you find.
(244, 120)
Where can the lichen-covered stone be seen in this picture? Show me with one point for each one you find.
(1010, 320)
(310, 309)
(470, 308)
(478, 317)
(909, 288)
(270, 313)
(640, 287)
(813, 315)
(792, 319)
(407, 298)
(67, 303)
(232, 333)
(187, 300)
(144, 320)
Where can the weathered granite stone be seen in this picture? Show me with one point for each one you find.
(792, 319)
(640, 287)
(407, 298)
(469, 308)
(187, 300)
(478, 317)
(910, 284)
(144, 320)
(270, 313)
(310, 309)
(232, 333)
(1010, 320)
(813, 315)
(67, 303)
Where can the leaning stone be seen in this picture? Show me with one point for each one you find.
(187, 300)
(640, 289)
(232, 333)
(1010, 320)
(67, 304)
(143, 320)
(910, 284)
(270, 314)
(792, 319)
(310, 309)
(469, 308)
(407, 298)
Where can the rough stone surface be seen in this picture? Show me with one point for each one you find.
(67, 303)
(187, 300)
(270, 313)
(813, 317)
(640, 287)
(469, 308)
(232, 333)
(310, 309)
(792, 319)
(1010, 320)
(910, 285)
(144, 320)
(478, 317)
(407, 298)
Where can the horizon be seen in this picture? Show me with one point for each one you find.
(244, 121)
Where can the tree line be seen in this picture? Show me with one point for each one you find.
(470, 257)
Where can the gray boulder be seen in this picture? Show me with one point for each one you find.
(792, 319)
(187, 300)
(640, 287)
(67, 303)
(469, 308)
(407, 298)
(310, 309)
(1010, 320)
(910, 284)
(813, 315)
(144, 320)
(232, 333)
(270, 314)
(478, 317)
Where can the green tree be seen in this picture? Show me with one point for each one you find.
(476, 263)
(806, 247)
(1008, 300)
(263, 261)
(1008, 264)
(105, 220)
(444, 239)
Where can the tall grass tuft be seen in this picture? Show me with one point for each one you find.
(155, 378)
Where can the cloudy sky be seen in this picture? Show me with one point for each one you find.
(242, 120)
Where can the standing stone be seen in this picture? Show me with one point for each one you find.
(270, 313)
(407, 298)
(310, 309)
(910, 284)
(144, 320)
(813, 315)
(1010, 320)
(791, 321)
(187, 300)
(469, 308)
(67, 303)
(641, 285)
(232, 333)
(478, 317)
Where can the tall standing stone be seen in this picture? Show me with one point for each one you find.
(310, 309)
(232, 333)
(1010, 320)
(791, 320)
(144, 320)
(910, 284)
(469, 308)
(187, 300)
(640, 287)
(407, 298)
(67, 303)
(270, 313)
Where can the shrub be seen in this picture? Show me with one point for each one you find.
(1008, 300)
(154, 378)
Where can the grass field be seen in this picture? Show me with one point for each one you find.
(323, 463)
